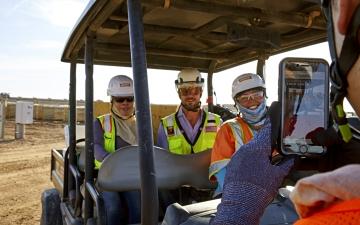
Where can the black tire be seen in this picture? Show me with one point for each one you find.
(51, 212)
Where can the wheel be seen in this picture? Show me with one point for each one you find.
(51, 213)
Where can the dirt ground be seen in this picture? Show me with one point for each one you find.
(25, 170)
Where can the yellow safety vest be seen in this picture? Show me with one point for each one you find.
(108, 126)
(180, 144)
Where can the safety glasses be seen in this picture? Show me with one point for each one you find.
(184, 91)
(123, 99)
(245, 98)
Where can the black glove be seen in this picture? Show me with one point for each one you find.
(322, 137)
(274, 113)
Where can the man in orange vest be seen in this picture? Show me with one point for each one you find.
(248, 92)
(251, 180)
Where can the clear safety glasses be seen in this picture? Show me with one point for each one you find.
(245, 98)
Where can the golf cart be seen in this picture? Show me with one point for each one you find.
(211, 36)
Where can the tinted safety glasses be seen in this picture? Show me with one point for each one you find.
(123, 99)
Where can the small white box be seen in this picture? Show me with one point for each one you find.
(24, 112)
(80, 133)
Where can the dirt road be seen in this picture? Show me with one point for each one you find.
(25, 170)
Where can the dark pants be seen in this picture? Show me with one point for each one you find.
(122, 207)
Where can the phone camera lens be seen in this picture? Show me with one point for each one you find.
(303, 148)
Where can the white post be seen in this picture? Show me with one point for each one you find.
(2, 119)
(3, 104)
(19, 131)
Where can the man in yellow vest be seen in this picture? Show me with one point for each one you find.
(248, 92)
(187, 131)
(190, 129)
(111, 132)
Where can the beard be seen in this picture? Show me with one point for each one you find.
(193, 106)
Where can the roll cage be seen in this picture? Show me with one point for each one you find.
(165, 34)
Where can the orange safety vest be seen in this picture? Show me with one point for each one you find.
(343, 213)
(232, 135)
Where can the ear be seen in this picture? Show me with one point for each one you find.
(346, 11)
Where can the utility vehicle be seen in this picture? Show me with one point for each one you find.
(211, 35)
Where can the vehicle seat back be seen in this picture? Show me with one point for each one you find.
(177, 214)
(120, 171)
(80, 151)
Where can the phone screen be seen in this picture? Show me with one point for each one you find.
(304, 101)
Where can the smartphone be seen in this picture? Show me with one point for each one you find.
(304, 97)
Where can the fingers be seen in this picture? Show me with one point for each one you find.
(263, 139)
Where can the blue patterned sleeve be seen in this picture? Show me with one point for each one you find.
(251, 182)
(161, 138)
(99, 151)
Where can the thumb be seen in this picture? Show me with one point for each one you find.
(274, 113)
(286, 164)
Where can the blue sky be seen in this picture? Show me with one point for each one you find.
(33, 36)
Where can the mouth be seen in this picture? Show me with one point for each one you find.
(253, 107)
(190, 101)
(126, 108)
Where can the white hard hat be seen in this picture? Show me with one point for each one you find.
(189, 76)
(246, 82)
(120, 86)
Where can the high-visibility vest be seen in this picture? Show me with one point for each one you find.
(241, 133)
(108, 126)
(180, 144)
(346, 212)
(245, 133)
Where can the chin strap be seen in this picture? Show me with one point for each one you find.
(339, 69)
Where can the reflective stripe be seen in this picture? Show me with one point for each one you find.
(241, 131)
(217, 166)
(107, 123)
(211, 119)
(107, 126)
(242, 134)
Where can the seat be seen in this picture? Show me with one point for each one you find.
(280, 211)
(81, 157)
(120, 170)
(198, 213)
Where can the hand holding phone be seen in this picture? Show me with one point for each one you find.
(304, 93)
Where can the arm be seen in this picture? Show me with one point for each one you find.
(223, 149)
(99, 151)
(161, 138)
(220, 177)
(251, 182)
(315, 193)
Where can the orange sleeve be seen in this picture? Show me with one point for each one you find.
(224, 146)
(345, 212)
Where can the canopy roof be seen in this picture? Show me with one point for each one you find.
(198, 33)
